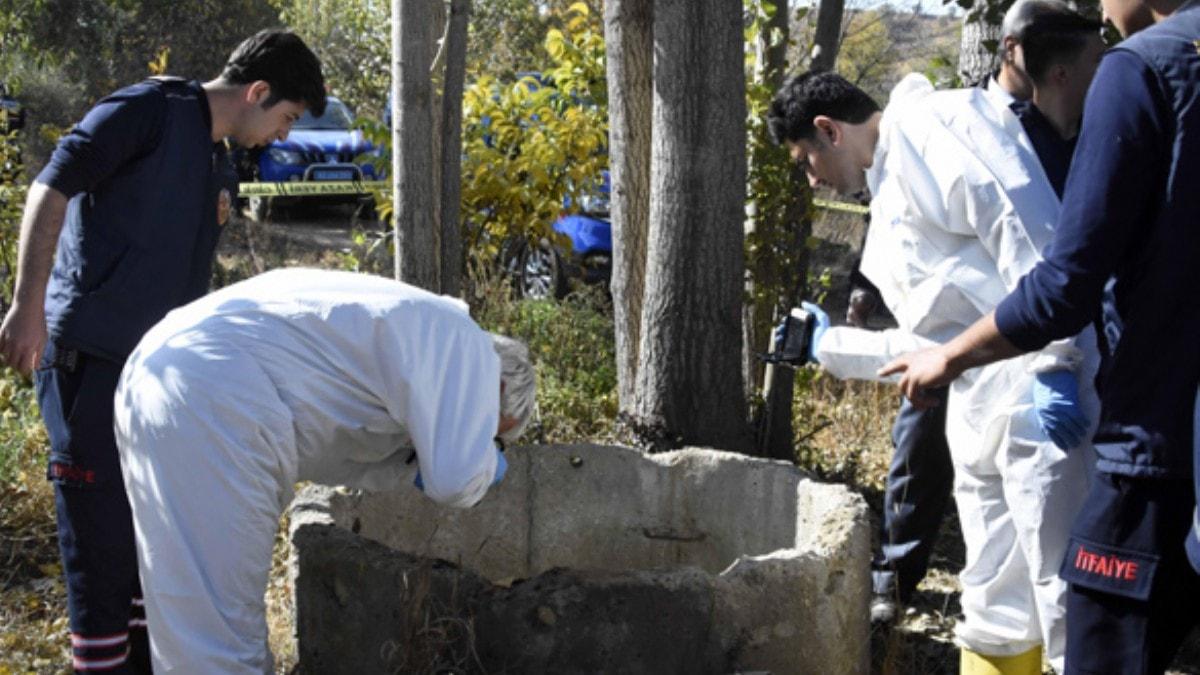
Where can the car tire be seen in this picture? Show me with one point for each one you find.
(258, 207)
(539, 272)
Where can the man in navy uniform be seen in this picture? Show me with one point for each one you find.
(1124, 252)
(133, 199)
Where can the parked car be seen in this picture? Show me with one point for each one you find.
(325, 148)
(542, 269)
(14, 111)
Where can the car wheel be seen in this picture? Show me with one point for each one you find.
(259, 206)
(540, 273)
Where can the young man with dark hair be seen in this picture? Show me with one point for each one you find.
(1061, 51)
(959, 209)
(1124, 252)
(133, 199)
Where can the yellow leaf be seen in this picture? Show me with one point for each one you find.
(50, 569)
(580, 7)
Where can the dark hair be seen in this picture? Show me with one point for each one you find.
(1054, 38)
(804, 97)
(282, 60)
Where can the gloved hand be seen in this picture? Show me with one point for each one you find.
(501, 469)
(1056, 401)
(821, 320)
(820, 323)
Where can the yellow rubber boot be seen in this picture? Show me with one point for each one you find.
(1027, 663)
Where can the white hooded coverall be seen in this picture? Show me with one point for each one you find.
(292, 375)
(961, 209)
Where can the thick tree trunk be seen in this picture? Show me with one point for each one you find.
(828, 38)
(451, 253)
(975, 61)
(689, 383)
(629, 34)
(412, 176)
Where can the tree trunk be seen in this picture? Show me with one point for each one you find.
(828, 38)
(689, 382)
(976, 61)
(451, 254)
(412, 175)
(629, 50)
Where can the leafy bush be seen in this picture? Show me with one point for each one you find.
(571, 344)
(529, 144)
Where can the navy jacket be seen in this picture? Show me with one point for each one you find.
(1127, 248)
(141, 227)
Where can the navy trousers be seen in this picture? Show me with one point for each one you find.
(95, 527)
(1133, 594)
(919, 484)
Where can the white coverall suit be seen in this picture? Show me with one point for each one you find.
(292, 375)
(961, 209)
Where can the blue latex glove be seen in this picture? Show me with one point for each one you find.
(501, 469)
(822, 324)
(1056, 400)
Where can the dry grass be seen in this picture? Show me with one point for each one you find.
(34, 637)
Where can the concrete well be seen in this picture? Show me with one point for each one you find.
(589, 559)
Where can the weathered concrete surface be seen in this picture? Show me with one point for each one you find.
(586, 559)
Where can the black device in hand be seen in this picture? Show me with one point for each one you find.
(793, 338)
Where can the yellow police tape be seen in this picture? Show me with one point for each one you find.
(298, 189)
(311, 188)
(840, 206)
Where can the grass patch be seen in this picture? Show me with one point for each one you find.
(571, 344)
(33, 613)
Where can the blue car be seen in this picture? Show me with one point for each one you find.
(325, 148)
(541, 270)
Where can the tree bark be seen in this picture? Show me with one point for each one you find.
(975, 61)
(828, 38)
(412, 175)
(689, 383)
(451, 254)
(629, 51)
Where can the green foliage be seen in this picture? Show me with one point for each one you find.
(508, 36)
(22, 436)
(572, 347)
(105, 44)
(527, 145)
(353, 39)
(13, 190)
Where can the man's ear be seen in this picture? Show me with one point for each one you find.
(257, 92)
(828, 129)
(1009, 51)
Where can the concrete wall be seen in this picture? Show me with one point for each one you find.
(591, 557)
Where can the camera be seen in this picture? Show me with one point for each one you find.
(792, 337)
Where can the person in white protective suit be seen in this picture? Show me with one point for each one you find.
(294, 375)
(960, 210)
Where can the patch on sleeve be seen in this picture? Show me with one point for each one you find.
(1109, 569)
